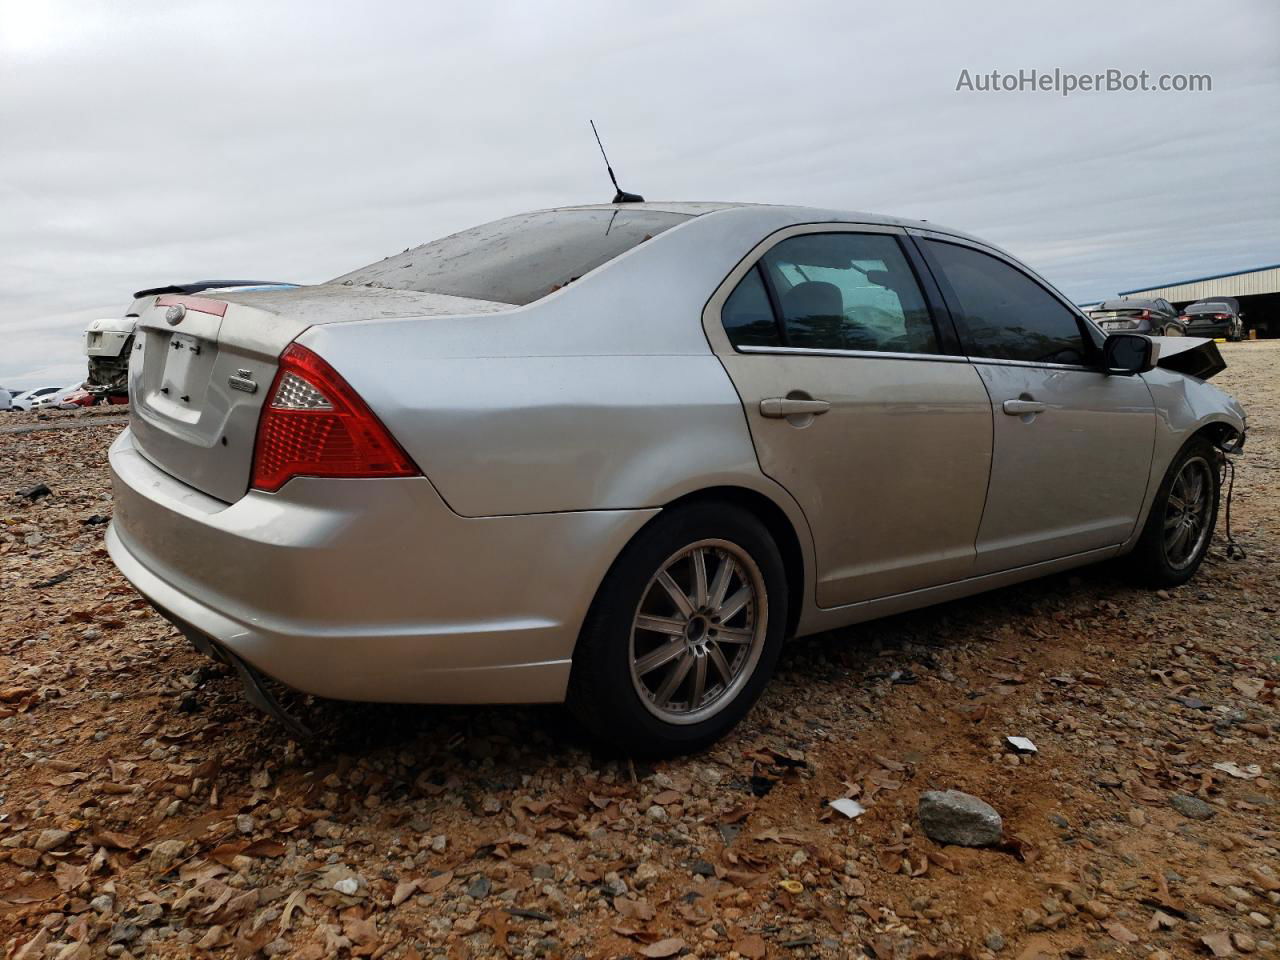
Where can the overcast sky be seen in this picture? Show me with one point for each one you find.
(152, 142)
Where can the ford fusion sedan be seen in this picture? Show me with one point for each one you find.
(645, 444)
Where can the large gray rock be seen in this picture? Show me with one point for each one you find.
(949, 816)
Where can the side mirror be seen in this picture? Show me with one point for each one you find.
(1129, 353)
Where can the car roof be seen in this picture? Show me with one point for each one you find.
(1124, 302)
(796, 214)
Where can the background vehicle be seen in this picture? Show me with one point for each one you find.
(645, 443)
(1219, 317)
(1153, 317)
(79, 397)
(30, 399)
(63, 398)
(6, 399)
(108, 343)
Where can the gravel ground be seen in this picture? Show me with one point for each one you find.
(146, 810)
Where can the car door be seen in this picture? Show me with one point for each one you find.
(859, 405)
(1073, 445)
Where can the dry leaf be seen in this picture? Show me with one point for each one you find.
(634, 909)
(404, 890)
(664, 948)
(265, 848)
(1121, 933)
(1219, 944)
(436, 883)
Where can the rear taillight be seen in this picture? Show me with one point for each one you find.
(1222, 316)
(315, 425)
(1144, 315)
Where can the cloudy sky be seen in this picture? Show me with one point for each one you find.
(153, 142)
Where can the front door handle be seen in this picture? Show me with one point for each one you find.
(778, 407)
(1019, 408)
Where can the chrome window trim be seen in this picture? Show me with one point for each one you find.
(1035, 363)
(833, 352)
(944, 357)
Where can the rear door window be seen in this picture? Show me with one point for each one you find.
(517, 260)
(1006, 315)
(834, 291)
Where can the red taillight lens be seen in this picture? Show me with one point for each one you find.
(1145, 315)
(1222, 316)
(315, 425)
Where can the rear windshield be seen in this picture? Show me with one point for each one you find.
(519, 259)
(1208, 308)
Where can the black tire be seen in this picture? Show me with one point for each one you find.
(1150, 562)
(602, 691)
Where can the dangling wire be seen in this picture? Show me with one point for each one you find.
(1234, 550)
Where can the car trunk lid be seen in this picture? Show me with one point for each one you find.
(202, 366)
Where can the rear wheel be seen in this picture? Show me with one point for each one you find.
(1180, 526)
(683, 634)
(1173, 330)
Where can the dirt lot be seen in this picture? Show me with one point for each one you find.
(145, 809)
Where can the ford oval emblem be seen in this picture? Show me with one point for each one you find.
(173, 316)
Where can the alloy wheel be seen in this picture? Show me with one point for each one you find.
(698, 631)
(1186, 515)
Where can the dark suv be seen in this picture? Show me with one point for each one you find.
(1218, 317)
(1156, 317)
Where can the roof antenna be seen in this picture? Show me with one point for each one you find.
(621, 196)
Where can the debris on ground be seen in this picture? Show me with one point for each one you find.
(952, 816)
(147, 810)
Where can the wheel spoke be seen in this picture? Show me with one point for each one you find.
(668, 625)
(662, 697)
(699, 561)
(1177, 502)
(678, 596)
(734, 635)
(718, 658)
(720, 585)
(659, 656)
(1194, 489)
(734, 604)
(699, 682)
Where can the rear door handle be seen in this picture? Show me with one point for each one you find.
(1017, 408)
(778, 407)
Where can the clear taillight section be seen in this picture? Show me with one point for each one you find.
(315, 425)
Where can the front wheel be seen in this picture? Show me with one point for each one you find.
(1183, 515)
(683, 634)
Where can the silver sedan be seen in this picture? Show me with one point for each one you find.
(614, 455)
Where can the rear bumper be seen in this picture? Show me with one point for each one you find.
(367, 589)
(1208, 329)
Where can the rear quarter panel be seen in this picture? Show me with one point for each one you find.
(603, 395)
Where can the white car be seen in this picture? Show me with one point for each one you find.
(31, 399)
(6, 399)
